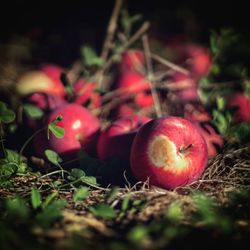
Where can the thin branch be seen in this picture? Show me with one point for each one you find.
(111, 60)
(169, 64)
(150, 74)
(111, 29)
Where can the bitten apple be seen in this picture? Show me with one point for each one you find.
(169, 151)
(81, 131)
(46, 80)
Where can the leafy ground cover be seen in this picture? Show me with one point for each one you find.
(47, 202)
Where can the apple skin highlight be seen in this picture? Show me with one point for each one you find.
(170, 152)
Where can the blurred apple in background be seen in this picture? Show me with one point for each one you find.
(186, 88)
(213, 139)
(44, 101)
(196, 112)
(194, 57)
(132, 60)
(198, 60)
(46, 80)
(132, 83)
(241, 102)
(85, 94)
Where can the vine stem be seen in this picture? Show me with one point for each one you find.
(1, 139)
(28, 141)
(90, 184)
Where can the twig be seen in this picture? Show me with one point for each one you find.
(150, 76)
(111, 29)
(169, 64)
(111, 60)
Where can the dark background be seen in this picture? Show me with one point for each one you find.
(60, 27)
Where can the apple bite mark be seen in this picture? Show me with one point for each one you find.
(164, 154)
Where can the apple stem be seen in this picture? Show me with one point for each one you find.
(183, 149)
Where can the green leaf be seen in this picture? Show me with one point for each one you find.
(125, 202)
(12, 156)
(6, 115)
(128, 21)
(89, 180)
(221, 121)
(57, 131)
(32, 111)
(53, 157)
(241, 132)
(7, 170)
(174, 212)
(49, 199)
(50, 213)
(80, 194)
(221, 103)
(111, 194)
(90, 57)
(36, 199)
(17, 209)
(206, 210)
(214, 42)
(104, 211)
(138, 233)
(76, 174)
(22, 168)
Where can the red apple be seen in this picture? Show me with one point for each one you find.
(144, 99)
(44, 80)
(122, 110)
(186, 89)
(132, 83)
(132, 60)
(81, 130)
(196, 112)
(135, 85)
(116, 140)
(194, 57)
(198, 60)
(213, 139)
(242, 103)
(86, 95)
(45, 102)
(169, 151)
